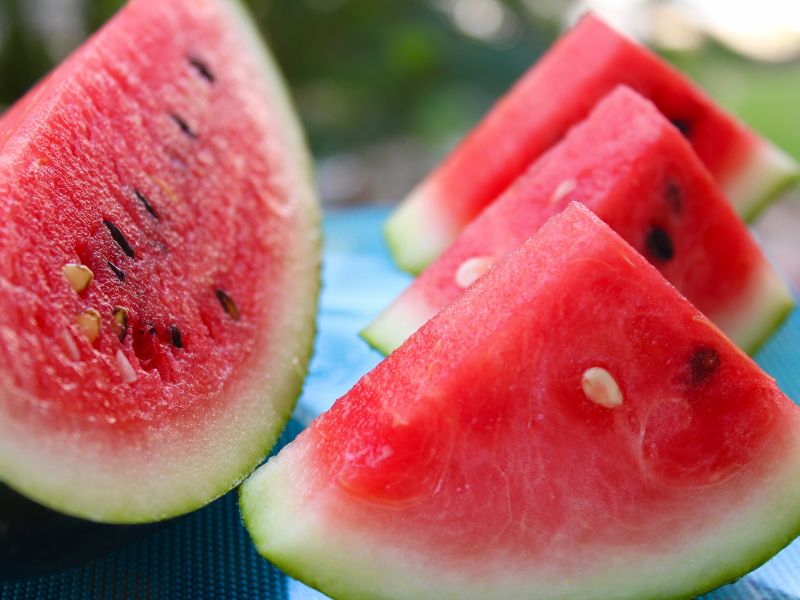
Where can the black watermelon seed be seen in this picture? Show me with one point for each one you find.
(228, 305)
(152, 330)
(684, 126)
(148, 207)
(116, 270)
(177, 340)
(202, 68)
(674, 196)
(119, 238)
(703, 363)
(183, 125)
(659, 244)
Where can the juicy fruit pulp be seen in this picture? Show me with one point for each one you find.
(643, 179)
(569, 427)
(579, 70)
(160, 254)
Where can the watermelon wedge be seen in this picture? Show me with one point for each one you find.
(159, 244)
(644, 180)
(569, 427)
(556, 93)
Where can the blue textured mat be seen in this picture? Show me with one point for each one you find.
(208, 554)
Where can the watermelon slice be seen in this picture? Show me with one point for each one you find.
(644, 180)
(569, 427)
(556, 93)
(159, 247)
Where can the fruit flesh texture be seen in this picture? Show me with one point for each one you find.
(559, 91)
(172, 126)
(644, 180)
(470, 464)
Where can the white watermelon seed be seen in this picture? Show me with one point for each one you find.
(70, 345)
(89, 324)
(601, 388)
(563, 188)
(79, 276)
(472, 269)
(125, 369)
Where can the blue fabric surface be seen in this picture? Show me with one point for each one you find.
(208, 554)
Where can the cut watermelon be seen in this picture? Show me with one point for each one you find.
(159, 247)
(569, 427)
(644, 180)
(556, 93)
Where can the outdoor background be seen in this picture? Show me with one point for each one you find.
(385, 87)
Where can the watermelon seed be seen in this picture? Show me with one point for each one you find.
(120, 324)
(165, 188)
(89, 324)
(472, 269)
(177, 340)
(116, 270)
(228, 305)
(79, 276)
(119, 238)
(71, 346)
(703, 363)
(125, 369)
(659, 244)
(683, 126)
(563, 188)
(674, 196)
(601, 388)
(201, 68)
(183, 125)
(148, 207)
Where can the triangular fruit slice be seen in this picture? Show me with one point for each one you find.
(159, 243)
(569, 427)
(637, 173)
(557, 92)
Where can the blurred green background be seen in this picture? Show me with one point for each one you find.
(385, 87)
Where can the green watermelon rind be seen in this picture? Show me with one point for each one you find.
(399, 320)
(285, 382)
(392, 327)
(771, 171)
(765, 177)
(326, 575)
(401, 228)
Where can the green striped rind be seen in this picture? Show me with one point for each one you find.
(290, 528)
(188, 469)
(768, 174)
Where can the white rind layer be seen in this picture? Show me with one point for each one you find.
(289, 527)
(417, 232)
(758, 312)
(398, 321)
(174, 468)
(768, 173)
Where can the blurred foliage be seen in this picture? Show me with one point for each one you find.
(363, 71)
(360, 70)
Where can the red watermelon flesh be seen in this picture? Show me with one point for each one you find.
(560, 90)
(569, 427)
(634, 170)
(164, 158)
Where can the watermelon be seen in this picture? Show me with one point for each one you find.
(643, 179)
(556, 93)
(569, 427)
(159, 254)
